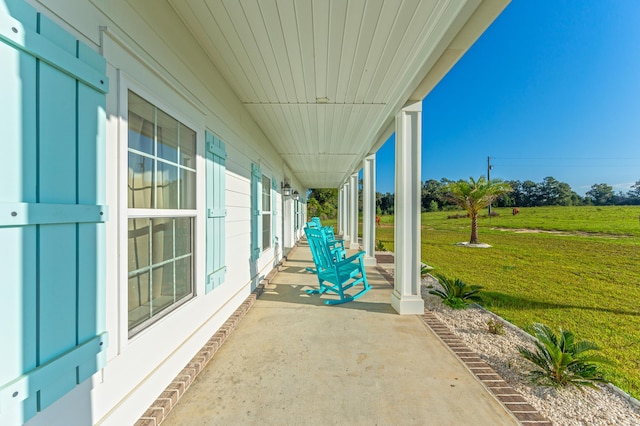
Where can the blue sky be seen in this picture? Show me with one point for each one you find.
(552, 88)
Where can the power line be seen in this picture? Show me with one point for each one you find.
(567, 162)
(565, 165)
(567, 158)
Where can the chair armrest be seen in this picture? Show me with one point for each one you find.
(350, 259)
(336, 244)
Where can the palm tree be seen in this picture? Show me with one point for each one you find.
(473, 196)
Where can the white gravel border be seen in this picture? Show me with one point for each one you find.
(606, 406)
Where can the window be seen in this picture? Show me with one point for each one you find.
(161, 194)
(266, 212)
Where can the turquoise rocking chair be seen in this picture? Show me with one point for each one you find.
(336, 275)
(337, 246)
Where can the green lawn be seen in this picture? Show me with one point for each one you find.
(586, 279)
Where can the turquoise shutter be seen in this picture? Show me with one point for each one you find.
(274, 212)
(52, 213)
(216, 211)
(256, 211)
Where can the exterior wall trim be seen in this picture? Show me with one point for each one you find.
(167, 400)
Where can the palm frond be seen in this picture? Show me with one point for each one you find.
(456, 291)
(438, 293)
(474, 195)
(561, 361)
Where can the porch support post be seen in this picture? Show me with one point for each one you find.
(406, 298)
(288, 233)
(369, 209)
(343, 227)
(339, 230)
(345, 213)
(353, 211)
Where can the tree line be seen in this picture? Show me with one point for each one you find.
(549, 192)
(527, 193)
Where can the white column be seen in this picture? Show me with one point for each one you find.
(406, 298)
(369, 209)
(346, 222)
(288, 237)
(353, 211)
(339, 212)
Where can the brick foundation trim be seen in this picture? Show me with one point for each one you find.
(168, 399)
(508, 397)
(160, 408)
(524, 412)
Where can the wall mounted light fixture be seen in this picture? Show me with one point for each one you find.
(286, 189)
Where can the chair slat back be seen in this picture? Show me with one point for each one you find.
(317, 224)
(320, 249)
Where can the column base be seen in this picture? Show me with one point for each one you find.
(370, 261)
(407, 305)
(347, 241)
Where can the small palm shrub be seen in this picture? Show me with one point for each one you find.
(380, 246)
(562, 361)
(424, 270)
(495, 326)
(456, 293)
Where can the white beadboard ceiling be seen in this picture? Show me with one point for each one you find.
(324, 79)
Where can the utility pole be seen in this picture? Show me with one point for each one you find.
(489, 167)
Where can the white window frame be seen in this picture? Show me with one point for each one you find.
(127, 84)
(267, 211)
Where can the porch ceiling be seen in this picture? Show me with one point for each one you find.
(324, 79)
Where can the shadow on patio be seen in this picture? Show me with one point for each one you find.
(294, 360)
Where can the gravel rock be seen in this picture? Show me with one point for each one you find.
(562, 406)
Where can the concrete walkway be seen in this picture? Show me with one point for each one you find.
(295, 361)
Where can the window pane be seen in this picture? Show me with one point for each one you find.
(187, 147)
(187, 189)
(183, 236)
(138, 244)
(162, 245)
(139, 186)
(266, 193)
(141, 119)
(183, 277)
(162, 288)
(139, 307)
(167, 137)
(161, 175)
(167, 190)
(266, 231)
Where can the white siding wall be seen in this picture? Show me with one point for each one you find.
(170, 69)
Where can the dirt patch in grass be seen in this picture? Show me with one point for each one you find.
(562, 233)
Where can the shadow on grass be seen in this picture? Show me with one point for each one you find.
(502, 300)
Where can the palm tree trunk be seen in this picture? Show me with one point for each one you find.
(474, 229)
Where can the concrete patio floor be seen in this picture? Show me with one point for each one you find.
(294, 361)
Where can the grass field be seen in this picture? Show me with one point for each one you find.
(571, 267)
